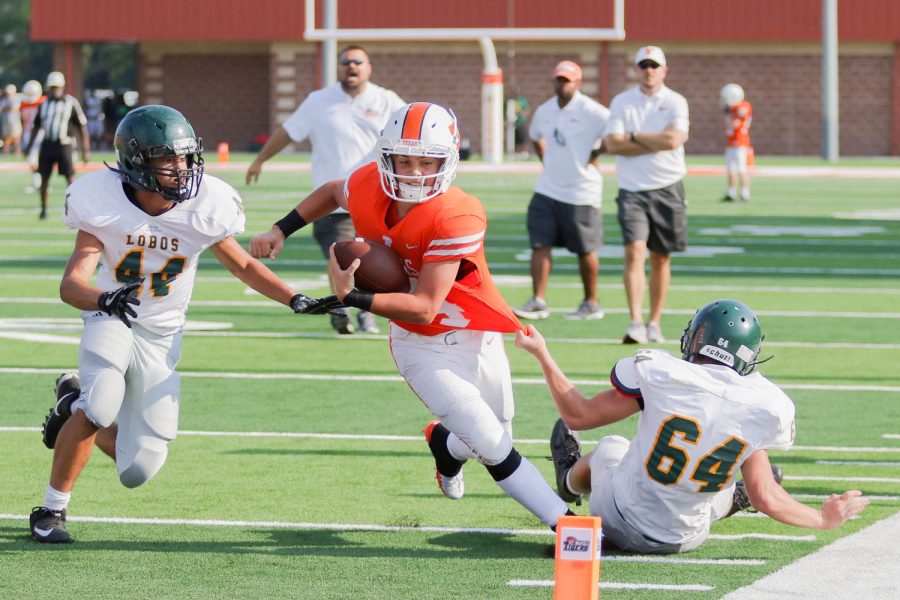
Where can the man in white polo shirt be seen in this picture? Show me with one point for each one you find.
(567, 132)
(648, 127)
(342, 122)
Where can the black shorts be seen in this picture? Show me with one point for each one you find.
(54, 153)
(657, 216)
(335, 227)
(551, 223)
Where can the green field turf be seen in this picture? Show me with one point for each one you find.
(351, 516)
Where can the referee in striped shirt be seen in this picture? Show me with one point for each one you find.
(56, 117)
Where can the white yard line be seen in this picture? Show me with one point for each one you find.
(865, 564)
(891, 436)
(858, 463)
(823, 478)
(398, 379)
(613, 585)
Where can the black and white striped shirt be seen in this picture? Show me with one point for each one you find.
(56, 115)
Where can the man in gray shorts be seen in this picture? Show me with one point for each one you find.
(567, 132)
(648, 127)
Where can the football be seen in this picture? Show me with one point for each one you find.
(380, 269)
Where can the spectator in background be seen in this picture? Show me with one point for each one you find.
(54, 119)
(11, 120)
(567, 132)
(521, 109)
(738, 114)
(648, 127)
(93, 106)
(342, 122)
(32, 98)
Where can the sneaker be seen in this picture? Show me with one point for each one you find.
(535, 308)
(635, 334)
(43, 215)
(68, 388)
(49, 526)
(453, 487)
(342, 323)
(727, 198)
(565, 451)
(654, 334)
(366, 322)
(586, 310)
(741, 500)
(30, 189)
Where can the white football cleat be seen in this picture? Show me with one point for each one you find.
(452, 487)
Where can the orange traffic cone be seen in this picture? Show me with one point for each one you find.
(223, 152)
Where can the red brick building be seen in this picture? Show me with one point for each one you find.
(239, 68)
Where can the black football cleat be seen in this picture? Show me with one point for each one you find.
(341, 322)
(565, 451)
(49, 526)
(68, 388)
(741, 501)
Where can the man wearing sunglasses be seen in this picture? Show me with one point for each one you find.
(648, 127)
(342, 123)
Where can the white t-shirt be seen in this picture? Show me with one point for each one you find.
(343, 129)
(632, 110)
(571, 133)
(164, 249)
(698, 412)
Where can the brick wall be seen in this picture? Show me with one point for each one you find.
(224, 97)
(233, 97)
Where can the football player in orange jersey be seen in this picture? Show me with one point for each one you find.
(446, 333)
(738, 115)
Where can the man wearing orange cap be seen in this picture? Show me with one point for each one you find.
(648, 127)
(567, 132)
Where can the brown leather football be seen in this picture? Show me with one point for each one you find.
(380, 269)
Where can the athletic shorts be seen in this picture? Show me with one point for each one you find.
(463, 378)
(658, 217)
(128, 376)
(54, 153)
(736, 159)
(335, 227)
(578, 227)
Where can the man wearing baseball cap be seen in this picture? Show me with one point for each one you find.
(567, 132)
(648, 127)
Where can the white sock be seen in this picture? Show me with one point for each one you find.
(745, 193)
(569, 482)
(527, 487)
(56, 500)
(458, 449)
(732, 192)
(36, 180)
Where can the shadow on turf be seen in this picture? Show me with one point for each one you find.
(300, 451)
(288, 542)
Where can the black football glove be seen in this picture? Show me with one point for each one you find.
(304, 305)
(118, 302)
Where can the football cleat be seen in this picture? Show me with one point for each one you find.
(341, 322)
(741, 500)
(452, 486)
(565, 451)
(49, 526)
(68, 388)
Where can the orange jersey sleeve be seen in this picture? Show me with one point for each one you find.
(738, 131)
(449, 227)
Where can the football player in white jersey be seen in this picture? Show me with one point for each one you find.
(146, 223)
(701, 418)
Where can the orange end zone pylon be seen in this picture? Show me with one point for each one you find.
(577, 569)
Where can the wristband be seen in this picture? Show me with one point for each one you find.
(631, 137)
(290, 223)
(359, 299)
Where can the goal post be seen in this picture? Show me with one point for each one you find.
(491, 76)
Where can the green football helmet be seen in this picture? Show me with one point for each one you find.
(155, 131)
(726, 331)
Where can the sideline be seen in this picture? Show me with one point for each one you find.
(865, 564)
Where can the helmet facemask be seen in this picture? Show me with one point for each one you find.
(435, 135)
(187, 181)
